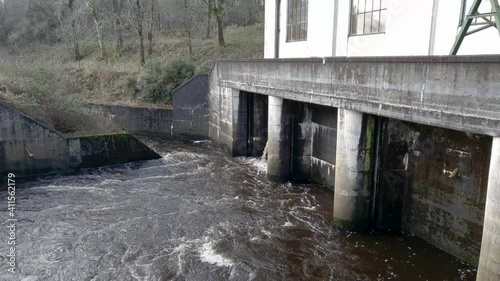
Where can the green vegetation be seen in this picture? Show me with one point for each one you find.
(160, 80)
(47, 84)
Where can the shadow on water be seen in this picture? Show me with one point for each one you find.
(196, 214)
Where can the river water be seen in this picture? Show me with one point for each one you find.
(197, 214)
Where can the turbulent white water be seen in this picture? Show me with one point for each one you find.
(264, 154)
(196, 214)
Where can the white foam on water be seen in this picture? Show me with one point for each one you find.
(181, 251)
(173, 176)
(30, 278)
(66, 188)
(209, 255)
(259, 163)
(110, 181)
(255, 239)
(288, 224)
(266, 232)
(202, 142)
(314, 208)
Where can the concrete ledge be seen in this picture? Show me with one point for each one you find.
(455, 92)
(426, 59)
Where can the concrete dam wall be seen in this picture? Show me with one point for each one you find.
(406, 143)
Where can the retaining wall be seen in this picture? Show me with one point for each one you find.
(27, 147)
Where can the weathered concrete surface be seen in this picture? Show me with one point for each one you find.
(240, 123)
(324, 145)
(416, 194)
(354, 170)
(458, 92)
(489, 261)
(302, 142)
(314, 143)
(143, 121)
(191, 109)
(27, 147)
(188, 119)
(457, 96)
(229, 123)
(279, 140)
(214, 107)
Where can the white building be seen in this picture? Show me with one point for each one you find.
(325, 28)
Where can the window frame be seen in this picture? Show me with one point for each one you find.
(296, 18)
(381, 10)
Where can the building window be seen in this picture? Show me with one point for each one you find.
(466, 5)
(296, 28)
(368, 16)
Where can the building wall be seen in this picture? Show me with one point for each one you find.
(407, 31)
(319, 36)
(426, 27)
(269, 28)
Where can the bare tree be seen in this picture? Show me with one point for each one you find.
(95, 16)
(3, 26)
(60, 18)
(187, 24)
(209, 4)
(74, 22)
(118, 25)
(138, 11)
(76, 46)
(151, 26)
(218, 11)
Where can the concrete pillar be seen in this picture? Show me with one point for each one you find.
(354, 169)
(489, 259)
(279, 140)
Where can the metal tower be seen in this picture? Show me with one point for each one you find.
(474, 15)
